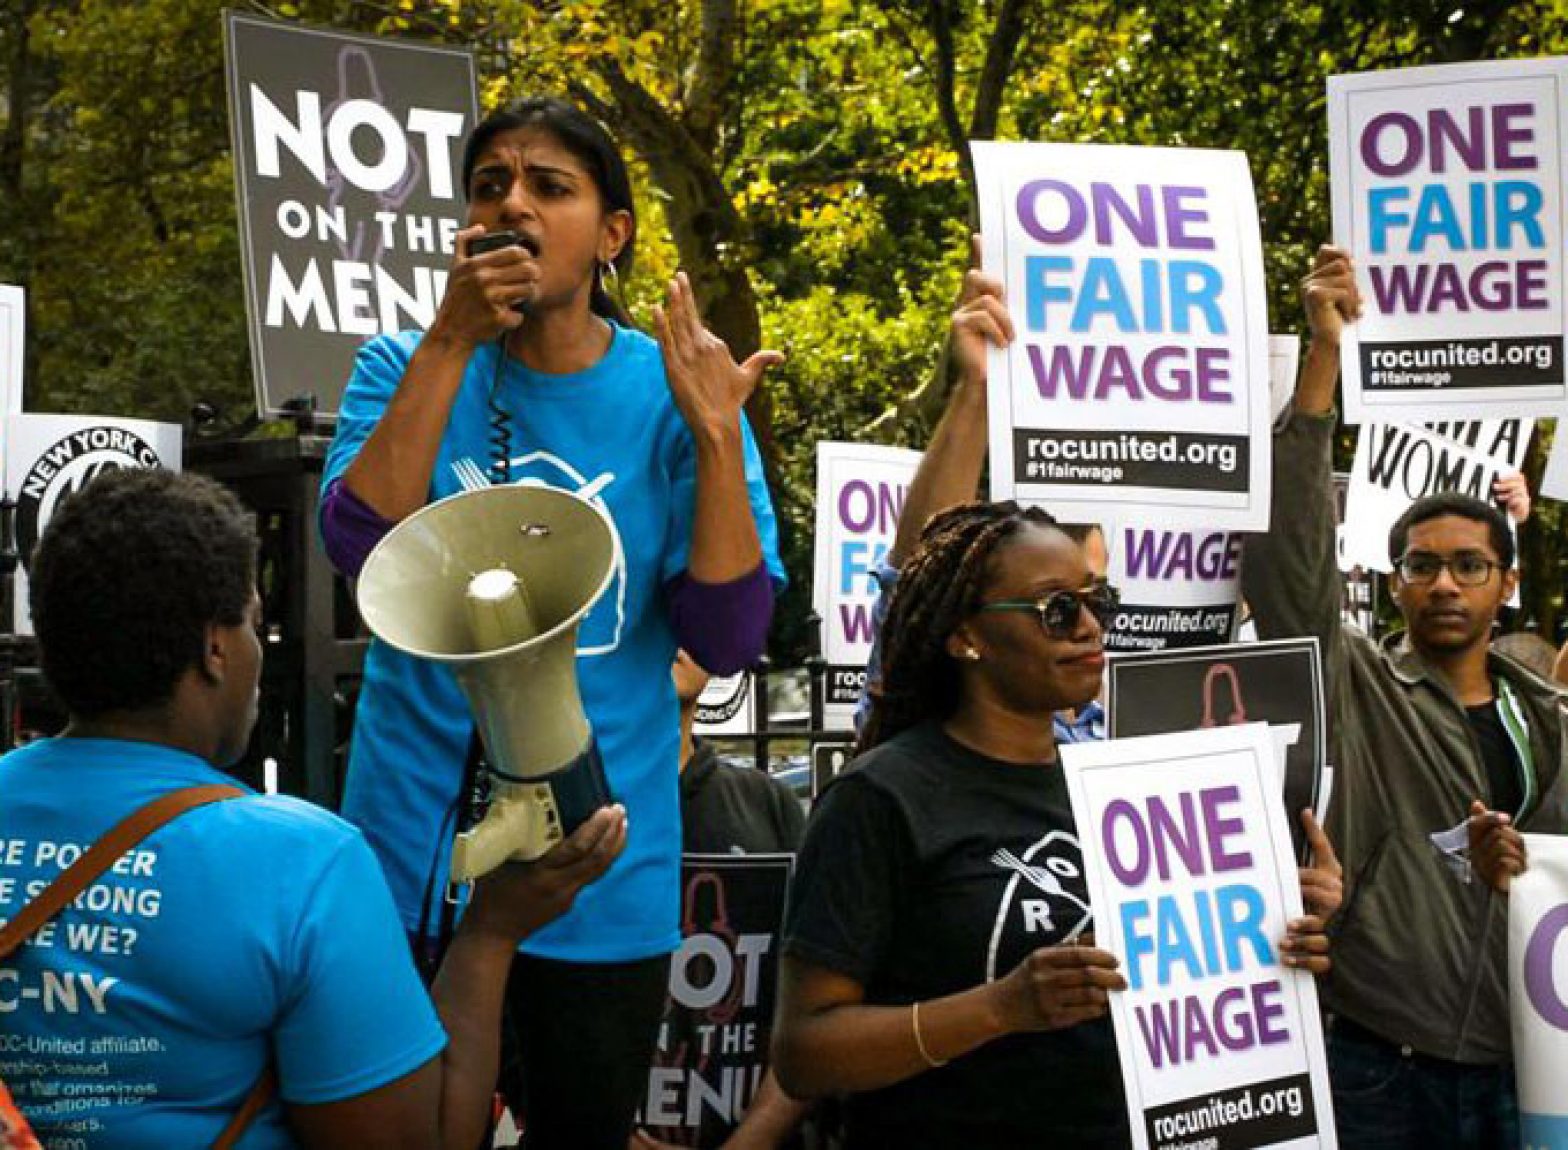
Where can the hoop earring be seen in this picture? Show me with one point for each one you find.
(610, 279)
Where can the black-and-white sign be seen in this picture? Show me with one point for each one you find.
(347, 164)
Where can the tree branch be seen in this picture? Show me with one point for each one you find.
(714, 74)
(1001, 51)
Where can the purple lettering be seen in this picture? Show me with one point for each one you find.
(1066, 367)
(1178, 217)
(1470, 146)
(1267, 1008)
(1539, 963)
(1160, 1030)
(1142, 224)
(855, 618)
(1410, 144)
(1171, 835)
(1028, 215)
(1234, 1028)
(1123, 811)
(857, 491)
(1218, 829)
(1197, 1026)
(1505, 134)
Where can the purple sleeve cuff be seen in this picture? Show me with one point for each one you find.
(723, 626)
(350, 528)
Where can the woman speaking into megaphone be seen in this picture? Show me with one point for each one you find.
(532, 372)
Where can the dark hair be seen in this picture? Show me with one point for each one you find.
(940, 585)
(1445, 503)
(586, 138)
(130, 572)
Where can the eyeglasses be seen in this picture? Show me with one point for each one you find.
(1468, 569)
(1059, 610)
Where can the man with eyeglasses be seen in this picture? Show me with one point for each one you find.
(1420, 727)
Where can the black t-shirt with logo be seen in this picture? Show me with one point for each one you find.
(927, 870)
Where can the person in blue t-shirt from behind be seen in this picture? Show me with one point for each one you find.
(248, 934)
(532, 372)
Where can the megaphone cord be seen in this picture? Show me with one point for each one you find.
(500, 422)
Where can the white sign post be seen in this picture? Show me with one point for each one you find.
(860, 494)
(1192, 878)
(1538, 991)
(1447, 191)
(1139, 380)
(53, 456)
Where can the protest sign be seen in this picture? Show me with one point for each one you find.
(727, 706)
(860, 495)
(1538, 991)
(1190, 872)
(52, 456)
(347, 167)
(1278, 682)
(1284, 363)
(1138, 381)
(1396, 464)
(1178, 588)
(713, 1043)
(1447, 191)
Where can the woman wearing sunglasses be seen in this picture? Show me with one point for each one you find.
(937, 962)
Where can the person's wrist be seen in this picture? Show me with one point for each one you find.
(1001, 1007)
(716, 432)
(446, 336)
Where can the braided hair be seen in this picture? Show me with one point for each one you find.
(940, 585)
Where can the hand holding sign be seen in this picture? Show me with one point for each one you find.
(1496, 849)
(1322, 883)
(979, 323)
(1330, 294)
(1513, 492)
(1057, 987)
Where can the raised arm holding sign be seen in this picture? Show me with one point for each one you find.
(1419, 727)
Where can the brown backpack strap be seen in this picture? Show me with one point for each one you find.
(103, 854)
(255, 1102)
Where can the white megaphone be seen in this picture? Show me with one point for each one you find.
(493, 583)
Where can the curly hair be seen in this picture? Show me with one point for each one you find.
(127, 577)
(940, 585)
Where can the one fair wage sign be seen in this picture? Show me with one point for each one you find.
(860, 494)
(1397, 463)
(1138, 384)
(1538, 991)
(50, 457)
(1192, 877)
(1178, 588)
(1447, 191)
(347, 165)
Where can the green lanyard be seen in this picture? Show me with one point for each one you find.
(1519, 734)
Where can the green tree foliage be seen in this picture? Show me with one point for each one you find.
(802, 159)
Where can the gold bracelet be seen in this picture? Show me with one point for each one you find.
(920, 1043)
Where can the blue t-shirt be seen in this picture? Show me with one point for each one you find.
(612, 432)
(143, 1014)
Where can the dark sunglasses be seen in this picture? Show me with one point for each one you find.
(1059, 611)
